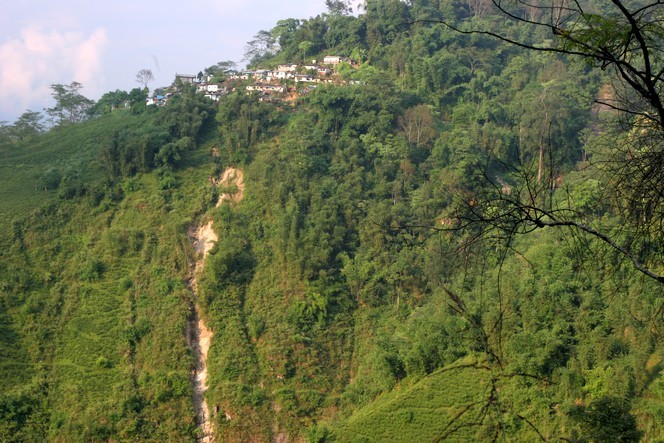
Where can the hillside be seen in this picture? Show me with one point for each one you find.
(415, 251)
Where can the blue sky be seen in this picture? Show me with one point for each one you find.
(103, 44)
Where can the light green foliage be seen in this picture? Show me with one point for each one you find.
(76, 152)
(440, 407)
(107, 287)
(344, 304)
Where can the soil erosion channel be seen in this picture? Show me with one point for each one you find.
(199, 336)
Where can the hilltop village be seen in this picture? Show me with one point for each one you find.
(446, 237)
(283, 83)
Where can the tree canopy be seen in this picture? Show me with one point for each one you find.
(627, 39)
(70, 105)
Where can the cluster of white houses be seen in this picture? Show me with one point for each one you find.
(266, 82)
(213, 91)
(270, 81)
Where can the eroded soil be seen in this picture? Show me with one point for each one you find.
(199, 336)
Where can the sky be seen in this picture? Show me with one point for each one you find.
(103, 44)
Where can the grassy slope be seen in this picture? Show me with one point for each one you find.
(74, 151)
(441, 405)
(96, 292)
(15, 365)
(119, 363)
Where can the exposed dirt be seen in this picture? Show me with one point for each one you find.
(203, 238)
(199, 336)
(231, 177)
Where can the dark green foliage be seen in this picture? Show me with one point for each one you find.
(51, 179)
(91, 270)
(121, 101)
(162, 141)
(386, 21)
(607, 419)
(16, 413)
(243, 121)
(111, 101)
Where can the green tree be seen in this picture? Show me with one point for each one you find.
(284, 32)
(304, 47)
(627, 39)
(218, 69)
(243, 121)
(70, 106)
(137, 98)
(6, 133)
(345, 35)
(28, 125)
(608, 420)
(110, 101)
(261, 47)
(386, 21)
(339, 7)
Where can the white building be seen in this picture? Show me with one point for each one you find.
(306, 78)
(286, 68)
(334, 59)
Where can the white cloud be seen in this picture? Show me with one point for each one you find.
(32, 62)
(87, 61)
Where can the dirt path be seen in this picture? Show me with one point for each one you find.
(199, 336)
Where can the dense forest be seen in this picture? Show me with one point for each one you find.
(458, 240)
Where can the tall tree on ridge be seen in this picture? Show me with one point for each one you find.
(70, 105)
(144, 76)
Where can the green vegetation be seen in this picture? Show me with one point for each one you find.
(441, 406)
(56, 163)
(368, 286)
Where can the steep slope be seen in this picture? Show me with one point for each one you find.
(343, 294)
(62, 162)
(199, 336)
(451, 404)
(101, 264)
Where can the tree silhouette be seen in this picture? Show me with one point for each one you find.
(144, 76)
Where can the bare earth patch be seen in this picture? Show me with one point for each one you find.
(199, 336)
(231, 177)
